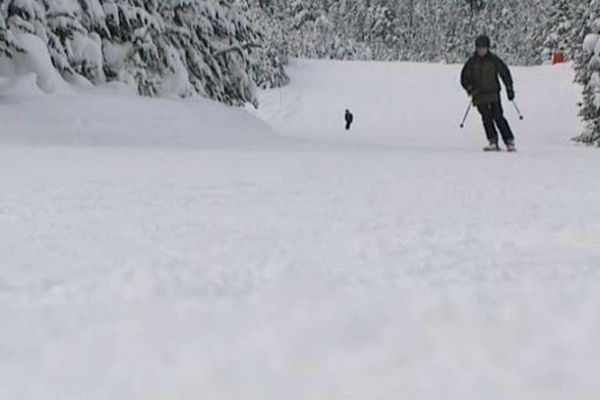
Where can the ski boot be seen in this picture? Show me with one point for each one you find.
(491, 147)
(510, 147)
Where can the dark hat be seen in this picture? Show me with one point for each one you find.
(482, 41)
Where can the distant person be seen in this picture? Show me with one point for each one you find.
(349, 119)
(479, 78)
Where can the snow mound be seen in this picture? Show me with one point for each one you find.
(112, 115)
(20, 88)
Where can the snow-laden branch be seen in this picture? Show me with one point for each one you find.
(238, 48)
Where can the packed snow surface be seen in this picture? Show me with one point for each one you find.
(171, 249)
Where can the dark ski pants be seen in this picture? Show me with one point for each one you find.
(493, 115)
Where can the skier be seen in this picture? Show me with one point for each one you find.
(349, 119)
(479, 78)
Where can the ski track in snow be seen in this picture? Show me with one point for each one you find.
(394, 261)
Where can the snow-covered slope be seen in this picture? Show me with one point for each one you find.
(417, 105)
(396, 261)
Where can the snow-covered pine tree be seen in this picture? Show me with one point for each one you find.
(5, 45)
(233, 39)
(349, 19)
(304, 40)
(133, 44)
(218, 47)
(268, 61)
(210, 47)
(74, 50)
(588, 74)
(416, 30)
(8, 46)
(384, 34)
(562, 30)
(558, 26)
(26, 16)
(439, 37)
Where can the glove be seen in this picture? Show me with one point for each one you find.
(510, 93)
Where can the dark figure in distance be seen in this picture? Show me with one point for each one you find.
(349, 119)
(479, 78)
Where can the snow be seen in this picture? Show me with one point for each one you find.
(35, 60)
(111, 115)
(162, 248)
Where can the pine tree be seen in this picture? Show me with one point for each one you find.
(8, 46)
(26, 16)
(383, 32)
(74, 50)
(588, 74)
(562, 29)
(269, 60)
(210, 47)
(416, 30)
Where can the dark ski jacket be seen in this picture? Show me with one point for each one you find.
(479, 77)
(349, 117)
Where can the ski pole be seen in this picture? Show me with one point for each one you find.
(462, 125)
(518, 111)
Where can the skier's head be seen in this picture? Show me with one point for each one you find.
(482, 41)
(482, 44)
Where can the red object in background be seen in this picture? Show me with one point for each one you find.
(558, 57)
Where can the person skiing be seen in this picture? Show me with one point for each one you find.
(349, 119)
(479, 77)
